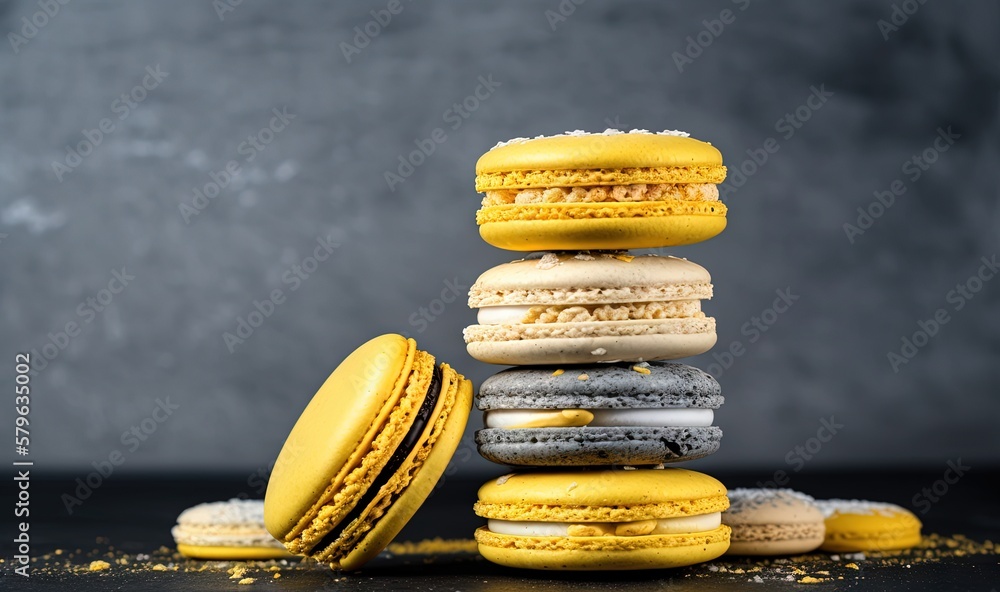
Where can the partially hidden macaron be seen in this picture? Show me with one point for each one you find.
(590, 307)
(601, 191)
(366, 452)
(773, 522)
(602, 520)
(229, 530)
(599, 414)
(857, 525)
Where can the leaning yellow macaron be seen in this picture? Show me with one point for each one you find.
(603, 520)
(603, 191)
(366, 452)
(856, 525)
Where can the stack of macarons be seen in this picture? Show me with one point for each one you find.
(592, 412)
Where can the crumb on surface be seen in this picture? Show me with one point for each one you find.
(583, 377)
(558, 372)
(160, 567)
(811, 580)
(246, 581)
(277, 575)
(641, 370)
(99, 565)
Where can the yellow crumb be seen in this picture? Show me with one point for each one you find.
(246, 581)
(799, 572)
(851, 565)
(237, 572)
(99, 565)
(274, 568)
(160, 567)
(277, 575)
(625, 258)
(641, 370)
(59, 551)
(811, 580)
(558, 372)
(822, 573)
(583, 377)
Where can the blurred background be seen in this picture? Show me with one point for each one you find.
(166, 167)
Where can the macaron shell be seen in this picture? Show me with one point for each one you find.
(563, 272)
(232, 553)
(599, 151)
(603, 553)
(608, 386)
(335, 430)
(596, 446)
(423, 483)
(609, 233)
(583, 350)
(777, 546)
(601, 495)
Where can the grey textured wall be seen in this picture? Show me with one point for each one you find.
(66, 230)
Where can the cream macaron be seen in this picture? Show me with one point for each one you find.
(590, 307)
(232, 529)
(773, 522)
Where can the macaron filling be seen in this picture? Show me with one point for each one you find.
(677, 525)
(604, 194)
(635, 417)
(583, 313)
(413, 435)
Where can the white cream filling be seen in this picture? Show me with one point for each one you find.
(503, 315)
(679, 525)
(645, 417)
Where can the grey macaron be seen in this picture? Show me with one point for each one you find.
(634, 407)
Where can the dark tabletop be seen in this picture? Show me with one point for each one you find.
(128, 518)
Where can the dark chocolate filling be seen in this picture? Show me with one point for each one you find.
(395, 462)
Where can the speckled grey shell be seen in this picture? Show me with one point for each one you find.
(608, 386)
(587, 446)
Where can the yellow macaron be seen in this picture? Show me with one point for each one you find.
(856, 525)
(366, 452)
(603, 520)
(603, 191)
